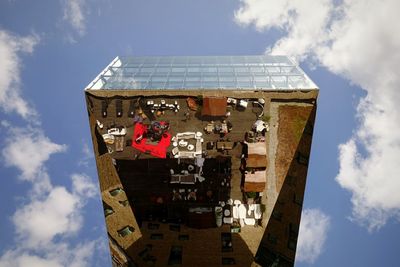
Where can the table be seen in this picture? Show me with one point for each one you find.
(224, 145)
(209, 128)
(224, 128)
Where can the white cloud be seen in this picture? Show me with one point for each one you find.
(87, 155)
(10, 82)
(314, 227)
(28, 149)
(40, 221)
(52, 214)
(74, 15)
(59, 210)
(305, 25)
(19, 259)
(356, 40)
(83, 185)
(55, 255)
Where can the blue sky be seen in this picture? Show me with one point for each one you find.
(50, 50)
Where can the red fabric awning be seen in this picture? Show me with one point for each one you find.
(159, 150)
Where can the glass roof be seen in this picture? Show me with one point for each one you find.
(263, 72)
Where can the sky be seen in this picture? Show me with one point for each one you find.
(50, 50)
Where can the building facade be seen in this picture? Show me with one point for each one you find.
(202, 160)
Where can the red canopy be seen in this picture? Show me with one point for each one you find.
(159, 150)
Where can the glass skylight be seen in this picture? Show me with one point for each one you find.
(262, 72)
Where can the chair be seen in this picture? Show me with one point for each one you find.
(118, 107)
(131, 110)
(249, 221)
(228, 220)
(235, 212)
(257, 211)
(242, 211)
(104, 106)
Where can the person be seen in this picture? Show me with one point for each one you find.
(176, 196)
(192, 196)
(187, 115)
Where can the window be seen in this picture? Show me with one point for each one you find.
(175, 227)
(127, 230)
(272, 239)
(292, 244)
(175, 255)
(302, 159)
(183, 237)
(280, 201)
(309, 129)
(293, 233)
(291, 180)
(228, 261)
(153, 226)
(156, 236)
(277, 215)
(293, 230)
(226, 242)
(297, 199)
(116, 191)
(107, 209)
(124, 202)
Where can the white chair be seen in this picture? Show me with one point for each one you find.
(175, 151)
(235, 212)
(237, 202)
(228, 220)
(249, 221)
(242, 211)
(257, 211)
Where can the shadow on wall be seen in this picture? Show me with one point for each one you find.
(279, 242)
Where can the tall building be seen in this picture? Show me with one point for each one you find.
(202, 161)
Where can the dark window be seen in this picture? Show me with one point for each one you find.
(297, 199)
(118, 107)
(309, 129)
(107, 209)
(272, 239)
(127, 230)
(228, 261)
(277, 215)
(156, 236)
(291, 180)
(124, 202)
(175, 227)
(302, 159)
(183, 237)
(116, 191)
(175, 255)
(104, 106)
(293, 230)
(293, 233)
(280, 201)
(153, 226)
(146, 256)
(226, 242)
(292, 244)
